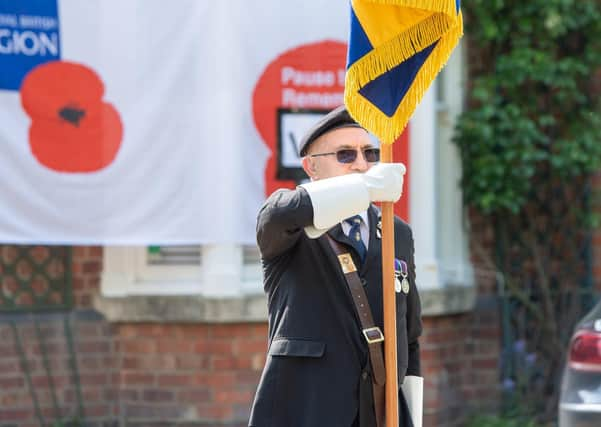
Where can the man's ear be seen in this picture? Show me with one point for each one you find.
(309, 167)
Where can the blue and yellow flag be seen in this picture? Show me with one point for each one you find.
(396, 49)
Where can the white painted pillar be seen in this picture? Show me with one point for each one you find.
(422, 203)
(118, 275)
(221, 270)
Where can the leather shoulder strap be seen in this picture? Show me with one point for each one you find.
(373, 335)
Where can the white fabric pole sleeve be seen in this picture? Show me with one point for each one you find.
(413, 390)
(335, 199)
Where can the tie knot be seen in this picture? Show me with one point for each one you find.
(354, 220)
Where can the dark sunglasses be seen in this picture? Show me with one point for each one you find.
(349, 155)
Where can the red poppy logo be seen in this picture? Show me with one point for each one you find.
(72, 129)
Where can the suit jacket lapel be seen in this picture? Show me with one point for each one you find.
(337, 234)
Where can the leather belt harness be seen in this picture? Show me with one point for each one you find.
(373, 334)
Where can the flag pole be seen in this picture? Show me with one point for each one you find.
(388, 294)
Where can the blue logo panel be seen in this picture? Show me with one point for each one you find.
(29, 36)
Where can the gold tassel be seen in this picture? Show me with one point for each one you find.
(388, 129)
(443, 6)
(398, 49)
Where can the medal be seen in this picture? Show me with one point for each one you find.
(405, 285)
(400, 270)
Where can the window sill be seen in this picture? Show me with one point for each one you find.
(246, 308)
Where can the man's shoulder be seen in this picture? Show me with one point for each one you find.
(399, 223)
(401, 228)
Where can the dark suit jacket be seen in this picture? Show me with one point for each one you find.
(317, 354)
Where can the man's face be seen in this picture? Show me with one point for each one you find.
(320, 167)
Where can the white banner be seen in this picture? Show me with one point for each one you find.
(153, 122)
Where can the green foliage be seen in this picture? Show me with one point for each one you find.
(533, 105)
(530, 141)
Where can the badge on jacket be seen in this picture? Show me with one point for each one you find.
(401, 271)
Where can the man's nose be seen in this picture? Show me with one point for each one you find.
(360, 164)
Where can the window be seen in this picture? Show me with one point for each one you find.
(210, 270)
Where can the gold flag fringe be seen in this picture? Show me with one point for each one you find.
(399, 49)
(440, 6)
(382, 59)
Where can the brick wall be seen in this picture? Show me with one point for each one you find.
(204, 375)
(86, 270)
(460, 356)
(35, 350)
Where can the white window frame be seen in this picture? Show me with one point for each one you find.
(436, 210)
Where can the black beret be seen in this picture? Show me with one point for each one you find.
(335, 119)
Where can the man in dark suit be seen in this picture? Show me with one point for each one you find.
(319, 370)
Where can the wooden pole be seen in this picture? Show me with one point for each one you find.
(388, 294)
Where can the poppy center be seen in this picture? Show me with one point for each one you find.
(72, 115)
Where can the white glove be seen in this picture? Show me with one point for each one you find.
(335, 199)
(413, 390)
(384, 182)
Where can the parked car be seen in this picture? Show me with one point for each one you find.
(580, 398)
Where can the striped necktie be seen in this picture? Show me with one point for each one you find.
(355, 235)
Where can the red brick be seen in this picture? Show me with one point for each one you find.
(215, 412)
(230, 362)
(194, 395)
(96, 251)
(15, 399)
(8, 351)
(93, 347)
(157, 362)
(97, 410)
(175, 380)
(83, 300)
(57, 380)
(176, 346)
(15, 414)
(244, 346)
(239, 330)
(138, 346)
(136, 378)
(233, 396)
(157, 395)
(92, 283)
(191, 362)
(91, 379)
(77, 283)
(76, 267)
(485, 364)
(248, 378)
(78, 252)
(214, 346)
(92, 267)
(150, 411)
(9, 365)
(90, 363)
(89, 395)
(215, 379)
